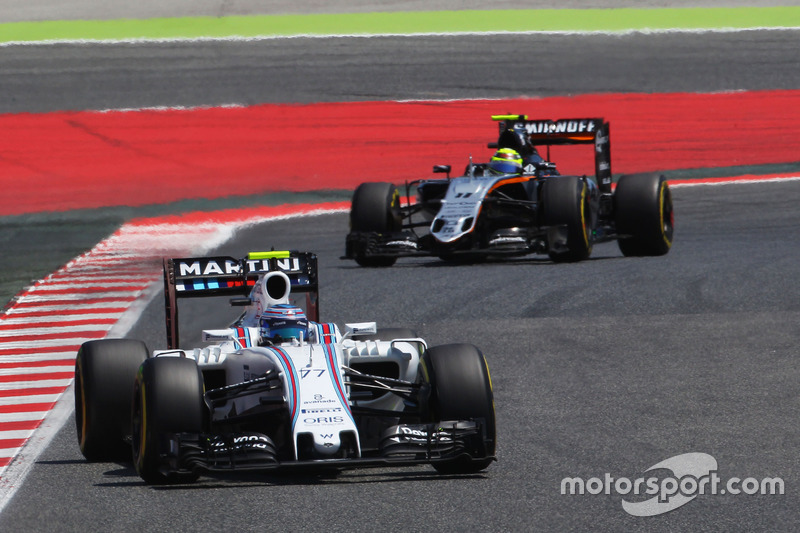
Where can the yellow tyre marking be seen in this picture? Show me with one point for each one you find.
(583, 217)
(662, 192)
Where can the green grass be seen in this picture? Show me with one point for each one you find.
(582, 20)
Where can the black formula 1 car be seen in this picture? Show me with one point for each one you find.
(537, 210)
(277, 389)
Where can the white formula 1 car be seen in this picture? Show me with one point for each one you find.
(277, 390)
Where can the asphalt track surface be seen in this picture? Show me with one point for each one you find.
(609, 365)
(42, 78)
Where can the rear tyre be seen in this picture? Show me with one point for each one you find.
(375, 209)
(643, 212)
(566, 202)
(461, 389)
(105, 371)
(167, 399)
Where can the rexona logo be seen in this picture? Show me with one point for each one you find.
(690, 475)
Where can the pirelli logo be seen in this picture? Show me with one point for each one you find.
(227, 266)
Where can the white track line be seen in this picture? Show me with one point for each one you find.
(259, 38)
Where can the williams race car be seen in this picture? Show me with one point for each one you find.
(278, 389)
(516, 204)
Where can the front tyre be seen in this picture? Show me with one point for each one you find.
(167, 399)
(375, 209)
(461, 389)
(643, 214)
(105, 371)
(566, 203)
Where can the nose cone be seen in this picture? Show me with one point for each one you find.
(327, 443)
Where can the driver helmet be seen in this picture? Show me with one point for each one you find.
(506, 161)
(282, 323)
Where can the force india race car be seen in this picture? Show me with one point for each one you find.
(537, 210)
(279, 389)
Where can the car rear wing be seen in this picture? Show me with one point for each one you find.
(547, 132)
(197, 277)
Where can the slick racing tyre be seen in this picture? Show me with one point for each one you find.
(643, 213)
(105, 371)
(565, 200)
(375, 209)
(461, 389)
(167, 399)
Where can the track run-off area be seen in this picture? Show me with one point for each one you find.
(149, 156)
(64, 160)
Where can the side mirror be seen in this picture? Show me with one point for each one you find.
(441, 169)
(240, 302)
(361, 328)
(218, 335)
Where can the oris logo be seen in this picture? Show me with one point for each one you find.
(323, 420)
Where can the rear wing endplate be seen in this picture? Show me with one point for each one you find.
(197, 277)
(566, 131)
